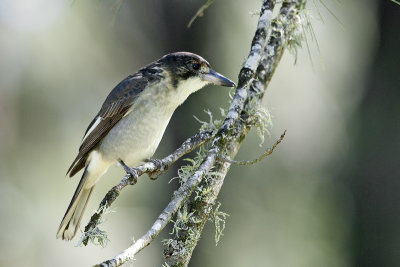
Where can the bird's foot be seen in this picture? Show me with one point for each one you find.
(133, 172)
(160, 168)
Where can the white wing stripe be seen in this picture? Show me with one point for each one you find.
(98, 120)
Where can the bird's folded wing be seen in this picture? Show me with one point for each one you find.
(118, 104)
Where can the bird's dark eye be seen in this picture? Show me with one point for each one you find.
(196, 66)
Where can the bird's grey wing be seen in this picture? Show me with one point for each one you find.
(117, 105)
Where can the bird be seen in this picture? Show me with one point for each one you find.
(131, 122)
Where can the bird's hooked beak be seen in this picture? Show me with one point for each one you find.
(217, 79)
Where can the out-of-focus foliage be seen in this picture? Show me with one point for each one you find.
(299, 207)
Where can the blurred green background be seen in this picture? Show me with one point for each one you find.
(328, 196)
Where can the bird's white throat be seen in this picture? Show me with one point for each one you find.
(187, 87)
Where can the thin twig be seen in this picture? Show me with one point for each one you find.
(200, 12)
(254, 161)
(396, 2)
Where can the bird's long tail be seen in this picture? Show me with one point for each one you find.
(72, 218)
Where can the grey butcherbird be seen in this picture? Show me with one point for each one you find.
(132, 121)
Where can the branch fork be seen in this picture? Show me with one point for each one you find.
(266, 51)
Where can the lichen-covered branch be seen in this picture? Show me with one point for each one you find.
(270, 39)
(149, 167)
(247, 73)
(180, 248)
(180, 196)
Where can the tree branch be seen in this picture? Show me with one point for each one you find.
(180, 196)
(189, 145)
(208, 178)
(254, 161)
(179, 249)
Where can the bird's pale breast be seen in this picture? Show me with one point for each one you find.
(136, 136)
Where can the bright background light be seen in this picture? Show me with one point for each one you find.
(31, 15)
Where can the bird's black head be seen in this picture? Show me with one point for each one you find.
(185, 66)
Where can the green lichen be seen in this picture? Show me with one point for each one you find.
(261, 119)
(96, 236)
(184, 172)
(211, 124)
(188, 220)
(219, 218)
